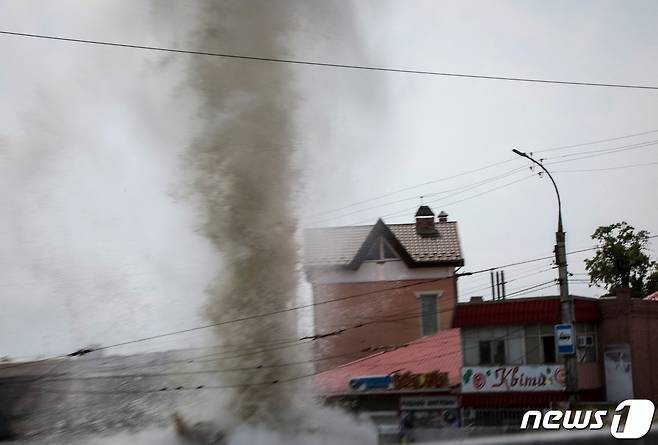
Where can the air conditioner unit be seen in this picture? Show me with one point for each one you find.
(585, 341)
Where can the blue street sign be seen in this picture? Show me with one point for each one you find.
(564, 339)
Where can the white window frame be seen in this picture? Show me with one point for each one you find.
(473, 336)
(380, 244)
(437, 295)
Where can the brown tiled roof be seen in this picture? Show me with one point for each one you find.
(338, 246)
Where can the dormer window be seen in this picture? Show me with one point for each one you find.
(381, 250)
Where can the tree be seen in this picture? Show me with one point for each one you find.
(621, 260)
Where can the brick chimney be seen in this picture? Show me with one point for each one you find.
(425, 221)
(443, 217)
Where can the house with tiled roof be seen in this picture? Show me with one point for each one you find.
(397, 281)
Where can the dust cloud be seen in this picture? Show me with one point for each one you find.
(246, 177)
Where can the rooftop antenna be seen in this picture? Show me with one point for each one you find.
(493, 291)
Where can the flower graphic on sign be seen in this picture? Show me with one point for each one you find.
(467, 376)
(560, 376)
(479, 380)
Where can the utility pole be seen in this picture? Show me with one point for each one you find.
(566, 300)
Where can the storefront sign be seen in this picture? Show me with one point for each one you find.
(433, 380)
(526, 378)
(371, 382)
(427, 403)
(400, 381)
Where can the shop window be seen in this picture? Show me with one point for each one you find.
(548, 348)
(471, 353)
(540, 345)
(515, 351)
(533, 351)
(430, 316)
(492, 352)
(493, 345)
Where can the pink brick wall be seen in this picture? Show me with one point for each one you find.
(382, 303)
(635, 322)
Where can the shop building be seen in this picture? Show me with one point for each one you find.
(628, 347)
(416, 384)
(510, 358)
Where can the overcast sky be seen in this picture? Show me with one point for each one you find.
(100, 243)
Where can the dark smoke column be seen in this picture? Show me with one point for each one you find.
(245, 178)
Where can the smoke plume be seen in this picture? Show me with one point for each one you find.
(245, 179)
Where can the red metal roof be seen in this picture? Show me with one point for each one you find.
(440, 352)
(522, 311)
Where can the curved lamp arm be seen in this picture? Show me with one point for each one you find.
(557, 192)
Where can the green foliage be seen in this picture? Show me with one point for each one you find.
(621, 260)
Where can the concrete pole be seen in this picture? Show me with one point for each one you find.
(566, 310)
(566, 300)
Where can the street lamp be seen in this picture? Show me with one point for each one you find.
(566, 300)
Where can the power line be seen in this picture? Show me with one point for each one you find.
(467, 187)
(543, 285)
(598, 141)
(458, 190)
(374, 198)
(487, 286)
(405, 211)
(287, 380)
(347, 297)
(229, 386)
(606, 168)
(412, 187)
(608, 150)
(402, 212)
(634, 147)
(327, 64)
(60, 378)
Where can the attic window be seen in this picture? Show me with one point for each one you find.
(381, 250)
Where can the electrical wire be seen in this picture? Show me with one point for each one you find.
(365, 201)
(326, 64)
(227, 386)
(620, 167)
(406, 211)
(596, 155)
(491, 190)
(598, 141)
(459, 190)
(542, 269)
(406, 285)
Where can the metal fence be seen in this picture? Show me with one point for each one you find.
(493, 417)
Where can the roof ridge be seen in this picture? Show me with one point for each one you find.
(338, 227)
